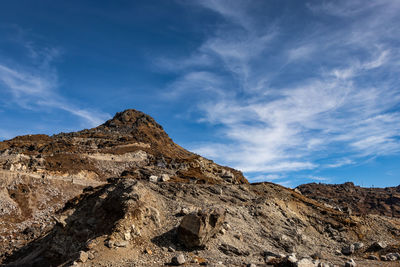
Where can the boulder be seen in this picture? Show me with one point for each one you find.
(348, 250)
(178, 260)
(164, 178)
(376, 246)
(91, 255)
(196, 229)
(121, 243)
(358, 245)
(226, 174)
(153, 178)
(83, 256)
(291, 258)
(127, 236)
(183, 211)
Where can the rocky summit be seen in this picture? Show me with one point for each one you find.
(124, 194)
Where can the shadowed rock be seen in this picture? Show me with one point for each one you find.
(197, 228)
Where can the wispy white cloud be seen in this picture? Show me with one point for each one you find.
(353, 8)
(195, 60)
(21, 83)
(301, 52)
(233, 11)
(340, 163)
(35, 86)
(196, 82)
(339, 109)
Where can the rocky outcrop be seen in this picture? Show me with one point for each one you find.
(40, 173)
(197, 228)
(355, 199)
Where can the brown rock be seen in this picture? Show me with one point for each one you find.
(83, 256)
(196, 229)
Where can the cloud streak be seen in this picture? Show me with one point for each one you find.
(35, 86)
(341, 107)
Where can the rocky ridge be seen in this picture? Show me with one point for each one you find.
(124, 194)
(355, 199)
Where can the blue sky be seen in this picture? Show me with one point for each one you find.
(287, 91)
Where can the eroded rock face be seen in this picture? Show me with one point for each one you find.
(196, 229)
(40, 173)
(130, 222)
(354, 199)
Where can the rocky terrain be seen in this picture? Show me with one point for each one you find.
(124, 194)
(355, 199)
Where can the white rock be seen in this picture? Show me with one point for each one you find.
(164, 178)
(358, 245)
(127, 236)
(393, 256)
(292, 258)
(122, 243)
(153, 178)
(83, 256)
(179, 260)
(184, 211)
(305, 263)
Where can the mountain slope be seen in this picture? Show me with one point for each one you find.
(118, 194)
(358, 200)
(40, 173)
(130, 222)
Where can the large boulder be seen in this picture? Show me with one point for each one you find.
(196, 229)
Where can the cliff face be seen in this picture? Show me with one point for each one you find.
(115, 195)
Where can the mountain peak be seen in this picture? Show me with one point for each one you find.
(131, 118)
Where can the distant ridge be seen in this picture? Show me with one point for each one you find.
(360, 200)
